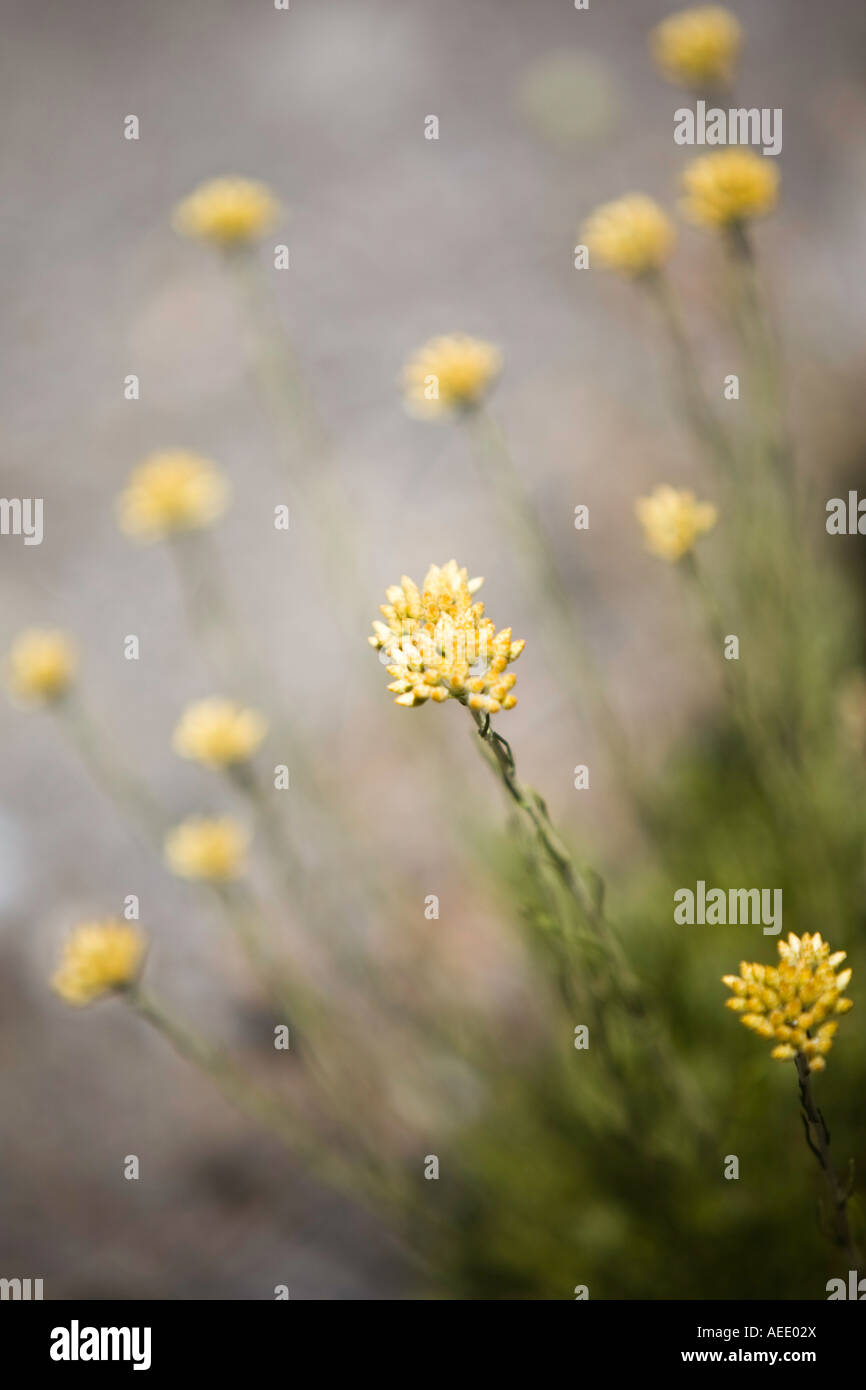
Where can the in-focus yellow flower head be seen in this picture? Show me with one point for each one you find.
(98, 958)
(227, 212)
(449, 374)
(797, 1003)
(40, 666)
(438, 645)
(632, 234)
(698, 47)
(219, 732)
(169, 492)
(672, 520)
(207, 847)
(728, 187)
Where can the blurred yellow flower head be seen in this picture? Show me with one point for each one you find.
(728, 187)
(795, 1003)
(672, 520)
(219, 732)
(40, 666)
(632, 234)
(439, 646)
(97, 958)
(698, 47)
(204, 847)
(227, 212)
(449, 374)
(169, 492)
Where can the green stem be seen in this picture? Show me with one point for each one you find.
(278, 371)
(304, 445)
(583, 887)
(569, 651)
(818, 1140)
(122, 786)
(696, 408)
(585, 890)
(207, 609)
(286, 865)
(238, 1087)
(243, 916)
(762, 355)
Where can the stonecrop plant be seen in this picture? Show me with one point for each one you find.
(623, 1083)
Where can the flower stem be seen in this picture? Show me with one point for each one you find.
(122, 786)
(286, 865)
(207, 608)
(818, 1140)
(700, 417)
(565, 640)
(305, 446)
(585, 889)
(236, 1085)
(243, 916)
(762, 352)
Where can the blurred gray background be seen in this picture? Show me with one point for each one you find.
(544, 111)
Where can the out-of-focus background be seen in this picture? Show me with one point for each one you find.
(544, 111)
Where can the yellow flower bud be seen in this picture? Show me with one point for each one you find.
(98, 958)
(633, 235)
(440, 646)
(805, 978)
(227, 212)
(208, 848)
(449, 374)
(672, 521)
(219, 733)
(169, 492)
(40, 666)
(729, 187)
(697, 47)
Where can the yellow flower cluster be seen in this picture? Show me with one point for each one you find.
(728, 187)
(97, 958)
(209, 848)
(698, 47)
(672, 521)
(439, 645)
(632, 234)
(219, 732)
(40, 666)
(171, 491)
(793, 1003)
(227, 212)
(449, 374)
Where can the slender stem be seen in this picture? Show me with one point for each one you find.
(818, 1140)
(244, 917)
(696, 577)
(258, 1104)
(207, 609)
(532, 806)
(699, 415)
(286, 864)
(568, 648)
(585, 890)
(762, 351)
(280, 379)
(122, 786)
(305, 446)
